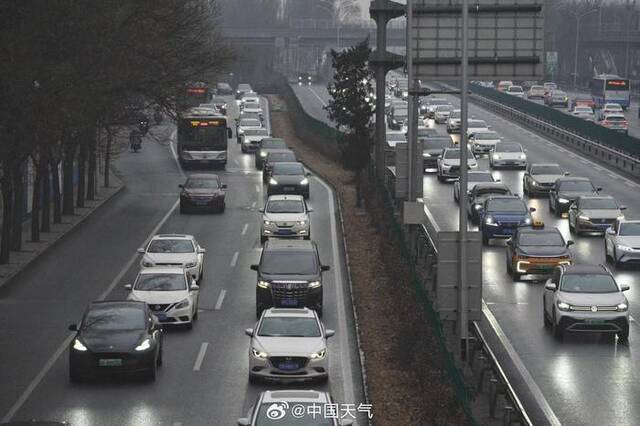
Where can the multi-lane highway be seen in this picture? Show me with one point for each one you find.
(204, 376)
(586, 378)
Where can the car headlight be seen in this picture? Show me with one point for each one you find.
(623, 247)
(527, 221)
(315, 284)
(263, 284)
(583, 217)
(302, 222)
(272, 181)
(78, 346)
(318, 355)
(563, 306)
(534, 183)
(267, 222)
(477, 206)
(473, 165)
(523, 157)
(263, 154)
(240, 131)
(426, 155)
(191, 264)
(182, 304)
(144, 345)
(620, 217)
(147, 263)
(259, 354)
(563, 200)
(304, 181)
(622, 307)
(489, 220)
(446, 166)
(496, 157)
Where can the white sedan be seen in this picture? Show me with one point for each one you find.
(171, 293)
(174, 250)
(508, 154)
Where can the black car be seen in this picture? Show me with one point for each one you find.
(224, 89)
(541, 178)
(276, 156)
(289, 276)
(266, 145)
(432, 147)
(473, 177)
(399, 117)
(115, 337)
(479, 193)
(566, 190)
(242, 89)
(202, 192)
(304, 78)
(288, 178)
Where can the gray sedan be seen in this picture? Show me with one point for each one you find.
(594, 213)
(622, 242)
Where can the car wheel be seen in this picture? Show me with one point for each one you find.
(253, 379)
(455, 196)
(557, 330)
(319, 309)
(485, 239)
(515, 275)
(323, 379)
(195, 314)
(525, 190)
(201, 275)
(263, 239)
(183, 210)
(189, 325)
(159, 359)
(550, 206)
(617, 263)
(224, 206)
(572, 229)
(556, 210)
(440, 178)
(547, 322)
(307, 237)
(623, 336)
(607, 256)
(74, 375)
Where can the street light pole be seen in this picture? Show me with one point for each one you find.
(630, 7)
(575, 58)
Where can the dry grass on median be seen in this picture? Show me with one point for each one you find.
(406, 379)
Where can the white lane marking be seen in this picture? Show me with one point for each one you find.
(253, 205)
(63, 346)
(316, 95)
(244, 229)
(583, 161)
(234, 259)
(631, 184)
(200, 357)
(631, 319)
(533, 387)
(257, 188)
(220, 299)
(339, 287)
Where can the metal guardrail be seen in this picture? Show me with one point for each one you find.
(513, 411)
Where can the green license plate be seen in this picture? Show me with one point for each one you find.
(110, 362)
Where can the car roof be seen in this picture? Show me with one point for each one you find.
(510, 197)
(172, 237)
(289, 312)
(203, 176)
(308, 396)
(283, 245)
(485, 185)
(585, 269)
(162, 270)
(285, 197)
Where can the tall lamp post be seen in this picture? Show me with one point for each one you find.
(578, 17)
(334, 10)
(631, 7)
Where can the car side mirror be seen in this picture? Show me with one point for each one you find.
(128, 287)
(248, 332)
(573, 207)
(525, 150)
(329, 333)
(570, 243)
(468, 193)
(624, 287)
(73, 327)
(202, 250)
(325, 267)
(194, 286)
(244, 421)
(180, 185)
(309, 174)
(610, 231)
(566, 173)
(598, 189)
(141, 250)
(532, 209)
(549, 285)
(309, 210)
(254, 267)
(223, 186)
(622, 207)
(261, 210)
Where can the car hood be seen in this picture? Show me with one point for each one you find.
(159, 297)
(608, 299)
(112, 341)
(545, 178)
(630, 241)
(456, 162)
(543, 250)
(602, 213)
(255, 138)
(285, 217)
(570, 195)
(288, 179)
(289, 346)
(432, 152)
(486, 141)
(171, 257)
(290, 277)
(509, 155)
(508, 217)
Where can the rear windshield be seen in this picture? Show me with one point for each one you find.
(486, 136)
(252, 105)
(444, 108)
(439, 102)
(480, 177)
(256, 132)
(275, 157)
(615, 118)
(289, 263)
(477, 124)
(398, 137)
(588, 283)
(515, 89)
(250, 122)
(436, 143)
(494, 191)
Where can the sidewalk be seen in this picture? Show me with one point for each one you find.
(30, 250)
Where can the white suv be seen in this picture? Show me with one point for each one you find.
(173, 250)
(285, 216)
(288, 344)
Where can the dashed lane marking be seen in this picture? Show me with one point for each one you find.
(220, 300)
(200, 357)
(244, 229)
(234, 259)
(257, 188)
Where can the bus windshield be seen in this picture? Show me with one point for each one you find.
(194, 136)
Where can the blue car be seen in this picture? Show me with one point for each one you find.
(501, 215)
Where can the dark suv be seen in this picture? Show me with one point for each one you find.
(289, 276)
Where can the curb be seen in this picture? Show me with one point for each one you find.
(11, 277)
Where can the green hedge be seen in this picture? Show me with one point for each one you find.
(586, 129)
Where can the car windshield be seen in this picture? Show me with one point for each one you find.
(438, 102)
(630, 229)
(243, 87)
(540, 239)
(398, 137)
(256, 132)
(583, 110)
(598, 203)
(615, 118)
(426, 131)
(114, 318)
(546, 170)
(492, 191)
(486, 136)
(444, 108)
(588, 283)
(515, 89)
(455, 114)
(576, 186)
(289, 263)
(201, 183)
(288, 169)
(480, 177)
(285, 206)
(289, 327)
(507, 205)
(613, 107)
(265, 416)
(251, 105)
(250, 122)
(401, 111)
(477, 124)
(536, 88)
(436, 143)
(273, 144)
(508, 147)
(170, 246)
(276, 157)
(454, 154)
(559, 94)
(160, 282)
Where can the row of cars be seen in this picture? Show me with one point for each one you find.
(577, 297)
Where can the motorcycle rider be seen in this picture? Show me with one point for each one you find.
(144, 124)
(135, 140)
